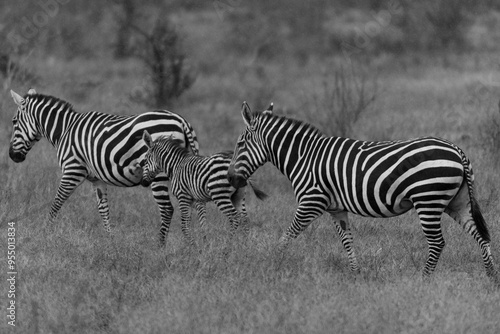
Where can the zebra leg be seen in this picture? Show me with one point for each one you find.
(304, 215)
(460, 210)
(185, 208)
(70, 180)
(430, 219)
(162, 198)
(101, 192)
(343, 229)
(238, 200)
(225, 206)
(201, 210)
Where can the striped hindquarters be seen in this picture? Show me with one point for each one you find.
(381, 179)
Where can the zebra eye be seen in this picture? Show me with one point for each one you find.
(142, 163)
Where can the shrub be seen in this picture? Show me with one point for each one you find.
(161, 53)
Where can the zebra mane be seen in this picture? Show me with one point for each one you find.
(226, 153)
(52, 99)
(292, 121)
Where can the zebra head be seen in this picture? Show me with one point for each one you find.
(25, 131)
(250, 152)
(161, 156)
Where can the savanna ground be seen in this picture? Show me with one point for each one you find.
(74, 278)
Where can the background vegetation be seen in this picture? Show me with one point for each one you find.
(373, 70)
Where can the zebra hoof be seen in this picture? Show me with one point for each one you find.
(161, 244)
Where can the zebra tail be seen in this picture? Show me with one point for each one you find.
(258, 193)
(477, 216)
(191, 137)
(481, 226)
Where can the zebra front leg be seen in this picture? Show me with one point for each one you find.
(185, 208)
(101, 191)
(343, 229)
(304, 216)
(159, 188)
(70, 180)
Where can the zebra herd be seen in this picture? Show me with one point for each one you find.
(328, 174)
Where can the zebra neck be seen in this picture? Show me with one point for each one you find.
(173, 161)
(290, 147)
(52, 123)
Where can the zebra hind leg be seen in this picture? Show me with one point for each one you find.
(162, 198)
(468, 215)
(100, 189)
(343, 229)
(225, 206)
(430, 219)
(185, 208)
(201, 211)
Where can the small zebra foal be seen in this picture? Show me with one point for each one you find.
(196, 179)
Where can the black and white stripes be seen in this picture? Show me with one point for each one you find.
(374, 179)
(102, 148)
(195, 179)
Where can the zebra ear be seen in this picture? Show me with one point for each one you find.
(18, 99)
(269, 110)
(147, 139)
(246, 113)
(31, 92)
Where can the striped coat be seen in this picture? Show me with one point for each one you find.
(373, 179)
(102, 148)
(196, 179)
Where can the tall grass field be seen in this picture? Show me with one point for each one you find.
(73, 277)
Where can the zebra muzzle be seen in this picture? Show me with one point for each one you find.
(16, 156)
(236, 180)
(145, 183)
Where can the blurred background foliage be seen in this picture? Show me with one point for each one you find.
(155, 52)
(261, 30)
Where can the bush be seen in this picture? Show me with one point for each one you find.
(161, 53)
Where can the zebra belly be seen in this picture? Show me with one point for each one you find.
(129, 176)
(110, 147)
(390, 211)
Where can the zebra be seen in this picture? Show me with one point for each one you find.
(102, 148)
(373, 179)
(195, 179)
